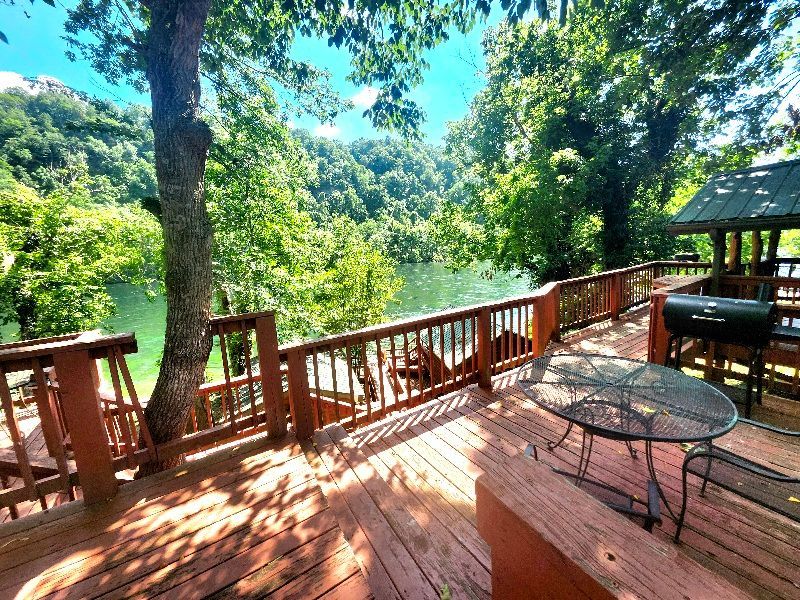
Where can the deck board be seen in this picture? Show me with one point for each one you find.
(434, 452)
(249, 520)
(387, 511)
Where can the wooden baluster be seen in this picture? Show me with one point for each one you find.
(248, 359)
(17, 437)
(442, 377)
(484, 348)
(335, 389)
(464, 351)
(421, 380)
(122, 417)
(50, 428)
(209, 412)
(453, 353)
(193, 416)
(227, 394)
(381, 376)
(144, 432)
(349, 358)
(315, 363)
(394, 381)
(367, 379)
(408, 367)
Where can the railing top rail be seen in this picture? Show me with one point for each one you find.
(219, 319)
(760, 279)
(393, 327)
(95, 344)
(689, 283)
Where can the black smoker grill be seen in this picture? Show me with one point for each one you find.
(747, 323)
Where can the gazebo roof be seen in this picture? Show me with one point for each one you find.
(754, 199)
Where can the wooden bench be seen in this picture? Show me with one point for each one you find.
(552, 540)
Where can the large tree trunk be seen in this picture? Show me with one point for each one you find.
(181, 140)
(616, 232)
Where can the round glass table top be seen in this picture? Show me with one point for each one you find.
(627, 399)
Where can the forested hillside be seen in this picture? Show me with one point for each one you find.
(394, 189)
(307, 226)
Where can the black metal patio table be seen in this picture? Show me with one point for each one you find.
(626, 400)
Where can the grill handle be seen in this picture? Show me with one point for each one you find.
(714, 319)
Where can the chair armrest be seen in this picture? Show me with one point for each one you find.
(736, 461)
(768, 427)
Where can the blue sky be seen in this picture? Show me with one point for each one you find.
(36, 48)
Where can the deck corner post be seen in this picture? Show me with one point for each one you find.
(658, 336)
(300, 404)
(269, 365)
(88, 434)
(616, 296)
(485, 348)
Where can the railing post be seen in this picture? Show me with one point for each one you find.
(87, 428)
(658, 336)
(269, 365)
(557, 312)
(485, 348)
(299, 398)
(616, 296)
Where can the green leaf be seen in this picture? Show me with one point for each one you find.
(3, 37)
(50, 2)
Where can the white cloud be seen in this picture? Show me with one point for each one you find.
(10, 79)
(366, 97)
(327, 130)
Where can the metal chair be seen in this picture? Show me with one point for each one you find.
(763, 485)
(614, 498)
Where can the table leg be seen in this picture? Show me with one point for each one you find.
(554, 445)
(648, 450)
(586, 453)
(632, 450)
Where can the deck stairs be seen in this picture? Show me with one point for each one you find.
(403, 548)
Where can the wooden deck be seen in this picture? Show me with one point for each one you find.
(386, 511)
(248, 521)
(406, 486)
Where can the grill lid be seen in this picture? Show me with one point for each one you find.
(725, 320)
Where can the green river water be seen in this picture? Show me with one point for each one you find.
(428, 287)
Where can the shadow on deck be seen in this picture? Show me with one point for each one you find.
(275, 519)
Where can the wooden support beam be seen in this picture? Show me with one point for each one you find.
(88, 433)
(299, 397)
(717, 262)
(755, 255)
(772, 249)
(735, 253)
(271, 381)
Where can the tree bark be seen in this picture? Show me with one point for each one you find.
(735, 253)
(181, 141)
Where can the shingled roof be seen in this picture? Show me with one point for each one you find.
(754, 199)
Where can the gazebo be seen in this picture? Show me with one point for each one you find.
(757, 199)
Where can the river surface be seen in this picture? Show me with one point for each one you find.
(428, 287)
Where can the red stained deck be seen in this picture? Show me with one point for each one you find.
(396, 499)
(249, 521)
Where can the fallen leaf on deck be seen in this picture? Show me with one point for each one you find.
(793, 499)
(686, 446)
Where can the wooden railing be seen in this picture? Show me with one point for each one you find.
(658, 336)
(92, 420)
(354, 378)
(725, 361)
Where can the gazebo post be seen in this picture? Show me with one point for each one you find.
(718, 239)
(772, 248)
(755, 255)
(735, 253)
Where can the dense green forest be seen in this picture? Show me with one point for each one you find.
(307, 226)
